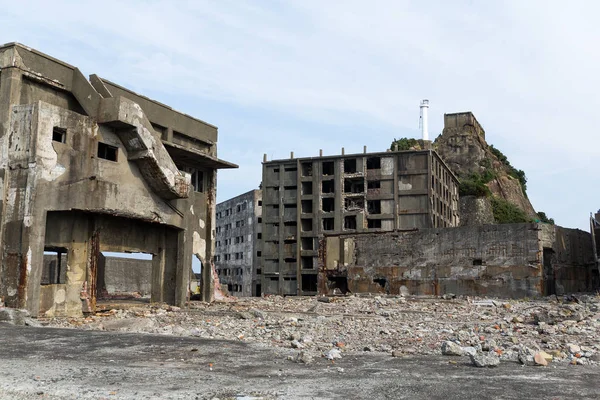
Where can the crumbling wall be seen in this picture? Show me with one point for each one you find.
(125, 276)
(499, 260)
(475, 211)
(510, 260)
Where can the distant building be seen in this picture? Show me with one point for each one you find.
(237, 246)
(308, 198)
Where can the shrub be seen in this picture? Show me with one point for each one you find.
(507, 213)
(404, 143)
(544, 218)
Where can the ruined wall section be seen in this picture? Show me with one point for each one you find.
(496, 260)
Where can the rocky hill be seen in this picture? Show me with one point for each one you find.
(491, 190)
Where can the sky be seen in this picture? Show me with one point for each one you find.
(280, 76)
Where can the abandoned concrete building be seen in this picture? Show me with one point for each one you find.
(509, 260)
(89, 166)
(307, 198)
(238, 243)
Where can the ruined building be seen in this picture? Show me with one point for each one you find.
(307, 198)
(89, 166)
(507, 260)
(238, 244)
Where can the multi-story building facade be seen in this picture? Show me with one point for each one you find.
(237, 246)
(88, 166)
(307, 198)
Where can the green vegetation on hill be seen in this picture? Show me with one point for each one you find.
(512, 171)
(506, 212)
(544, 218)
(404, 143)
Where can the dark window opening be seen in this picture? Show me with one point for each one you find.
(382, 282)
(350, 222)
(258, 271)
(259, 235)
(107, 152)
(290, 223)
(54, 270)
(373, 185)
(290, 205)
(327, 187)
(478, 261)
(306, 262)
(338, 282)
(328, 168)
(306, 225)
(309, 283)
(374, 224)
(374, 206)
(307, 206)
(275, 169)
(307, 169)
(328, 204)
(350, 166)
(307, 188)
(260, 203)
(273, 278)
(59, 134)
(289, 260)
(374, 163)
(290, 169)
(352, 204)
(259, 220)
(258, 253)
(354, 185)
(307, 243)
(327, 224)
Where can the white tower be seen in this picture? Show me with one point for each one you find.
(423, 119)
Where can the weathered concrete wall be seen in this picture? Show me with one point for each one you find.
(475, 211)
(54, 126)
(124, 276)
(497, 260)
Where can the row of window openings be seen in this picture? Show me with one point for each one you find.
(227, 242)
(230, 272)
(306, 262)
(238, 208)
(229, 257)
(229, 226)
(351, 185)
(350, 166)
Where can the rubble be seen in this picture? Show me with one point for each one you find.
(482, 360)
(508, 331)
(13, 316)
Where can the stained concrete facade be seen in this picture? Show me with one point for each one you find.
(88, 166)
(306, 198)
(512, 260)
(238, 245)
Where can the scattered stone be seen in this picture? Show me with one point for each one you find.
(489, 344)
(33, 322)
(527, 356)
(404, 291)
(258, 313)
(13, 316)
(297, 345)
(469, 350)
(333, 354)
(573, 348)
(482, 360)
(541, 358)
(397, 353)
(324, 299)
(448, 296)
(452, 349)
(304, 358)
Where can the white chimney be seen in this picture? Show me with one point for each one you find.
(423, 119)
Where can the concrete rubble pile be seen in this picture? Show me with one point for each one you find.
(532, 332)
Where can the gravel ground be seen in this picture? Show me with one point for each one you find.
(566, 330)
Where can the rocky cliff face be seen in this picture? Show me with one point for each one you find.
(463, 147)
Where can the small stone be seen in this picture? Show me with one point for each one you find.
(469, 350)
(518, 319)
(297, 345)
(367, 348)
(324, 299)
(258, 313)
(526, 356)
(482, 360)
(539, 359)
(489, 344)
(573, 348)
(333, 354)
(304, 358)
(397, 353)
(452, 349)
(404, 291)
(13, 316)
(595, 357)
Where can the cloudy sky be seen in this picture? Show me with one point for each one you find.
(280, 76)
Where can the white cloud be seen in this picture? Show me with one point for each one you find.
(355, 71)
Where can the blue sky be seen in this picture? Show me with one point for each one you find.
(281, 76)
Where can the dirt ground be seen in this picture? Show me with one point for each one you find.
(352, 347)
